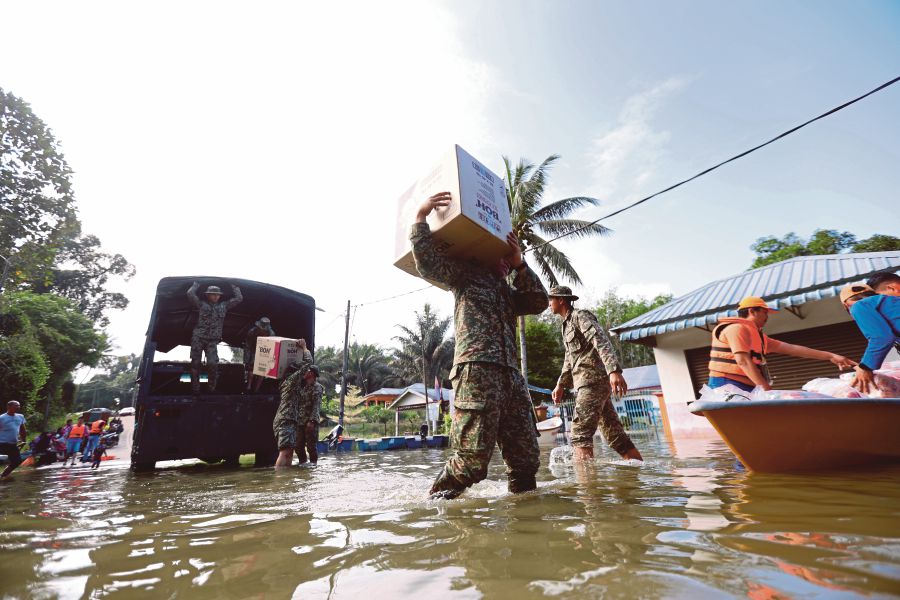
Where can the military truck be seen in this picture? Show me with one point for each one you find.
(171, 423)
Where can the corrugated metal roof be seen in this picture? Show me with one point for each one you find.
(790, 282)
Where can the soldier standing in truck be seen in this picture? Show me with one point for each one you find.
(208, 332)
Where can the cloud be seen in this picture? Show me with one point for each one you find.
(623, 159)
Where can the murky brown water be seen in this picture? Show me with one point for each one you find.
(357, 527)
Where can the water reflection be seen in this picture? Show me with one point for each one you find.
(680, 525)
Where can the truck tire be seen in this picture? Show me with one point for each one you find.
(265, 459)
(232, 461)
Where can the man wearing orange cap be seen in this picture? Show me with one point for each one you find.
(739, 348)
(878, 317)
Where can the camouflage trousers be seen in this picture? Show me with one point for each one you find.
(593, 407)
(211, 348)
(290, 436)
(492, 406)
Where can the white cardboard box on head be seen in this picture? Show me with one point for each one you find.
(473, 226)
(274, 355)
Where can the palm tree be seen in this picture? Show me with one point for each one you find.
(413, 361)
(533, 224)
(368, 367)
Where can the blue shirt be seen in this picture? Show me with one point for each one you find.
(878, 317)
(9, 427)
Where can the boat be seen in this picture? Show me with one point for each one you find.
(395, 442)
(437, 441)
(373, 444)
(413, 442)
(790, 435)
(549, 430)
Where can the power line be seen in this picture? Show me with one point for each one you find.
(713, 168)
(392, 297)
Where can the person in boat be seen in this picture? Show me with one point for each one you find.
(492, 403)
(739, 348)
(591, 365)
(878, 318)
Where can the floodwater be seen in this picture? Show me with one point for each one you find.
(686, 524)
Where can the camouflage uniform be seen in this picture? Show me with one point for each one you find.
(297, 418)
(492, 403)
(589, 359)
(207, 334)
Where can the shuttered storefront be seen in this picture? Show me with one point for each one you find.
(790, 372)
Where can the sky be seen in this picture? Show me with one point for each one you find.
(270, 141)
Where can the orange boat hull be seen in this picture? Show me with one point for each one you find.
(777, 436)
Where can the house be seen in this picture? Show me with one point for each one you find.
(382, 396)
(644, 391)
(805, 289)
(414, 398)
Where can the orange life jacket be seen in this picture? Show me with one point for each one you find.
(97, 427)
(77, 431)
(721, 358)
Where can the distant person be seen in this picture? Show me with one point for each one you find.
(94, 432)
(208, 331)
(739, 349)
(97, 455)
(492, 403)
(297, 418)
(423, 430)
(64, 431)
(878, 318)
(12, 431)
(592, 367)
(76, 438)
(262, 328)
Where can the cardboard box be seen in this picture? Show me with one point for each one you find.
(473, 226)
(274, 355)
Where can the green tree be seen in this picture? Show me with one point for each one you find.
(368, 367)
(39, 229)
(545, 351)
(378, 414)
(413, 361)
(614, 310)
(329, 359)
(771, 249)
(24, 370)
(66, 338)
(36, 198)
(119, 382)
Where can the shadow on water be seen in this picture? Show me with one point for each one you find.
(690, 525)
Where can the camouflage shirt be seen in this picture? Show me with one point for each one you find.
(589, 353)
(486, 305)
(212, 316)
(300, 400)
(250, 342)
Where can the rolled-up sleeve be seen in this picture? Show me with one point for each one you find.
(430, 263)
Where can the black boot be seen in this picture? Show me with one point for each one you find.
(445, 487)
(521, 483)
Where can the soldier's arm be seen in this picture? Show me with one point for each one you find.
(430, 263)
(590, 328)
(565, 377)
(317, 403)
(529, 295)
(192, 295)
(236, 299)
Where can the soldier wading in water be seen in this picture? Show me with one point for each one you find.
(208, 331)
(492, 403)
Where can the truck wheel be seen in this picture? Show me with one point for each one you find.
(232, 461)
(143, 467)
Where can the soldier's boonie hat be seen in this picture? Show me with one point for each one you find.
(562, 291)
(263, 323)
(214, 289)
(314, 369)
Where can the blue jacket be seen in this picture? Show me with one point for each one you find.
(878, 317)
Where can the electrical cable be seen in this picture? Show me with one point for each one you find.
(713, 168)
(392, 297)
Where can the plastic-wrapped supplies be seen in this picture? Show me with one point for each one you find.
(761, 394)
(836, 388)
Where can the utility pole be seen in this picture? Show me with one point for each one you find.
(425, 383)
(522, 352)
(344, 367)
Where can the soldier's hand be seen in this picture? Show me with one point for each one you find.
(557, 394)
(301, 343)
(514, 257)
(617, 382)
(440, 199)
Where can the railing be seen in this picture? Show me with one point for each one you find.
(638, 412)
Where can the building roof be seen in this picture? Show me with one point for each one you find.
(791, 282)
(414, 395)
(641, 378)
